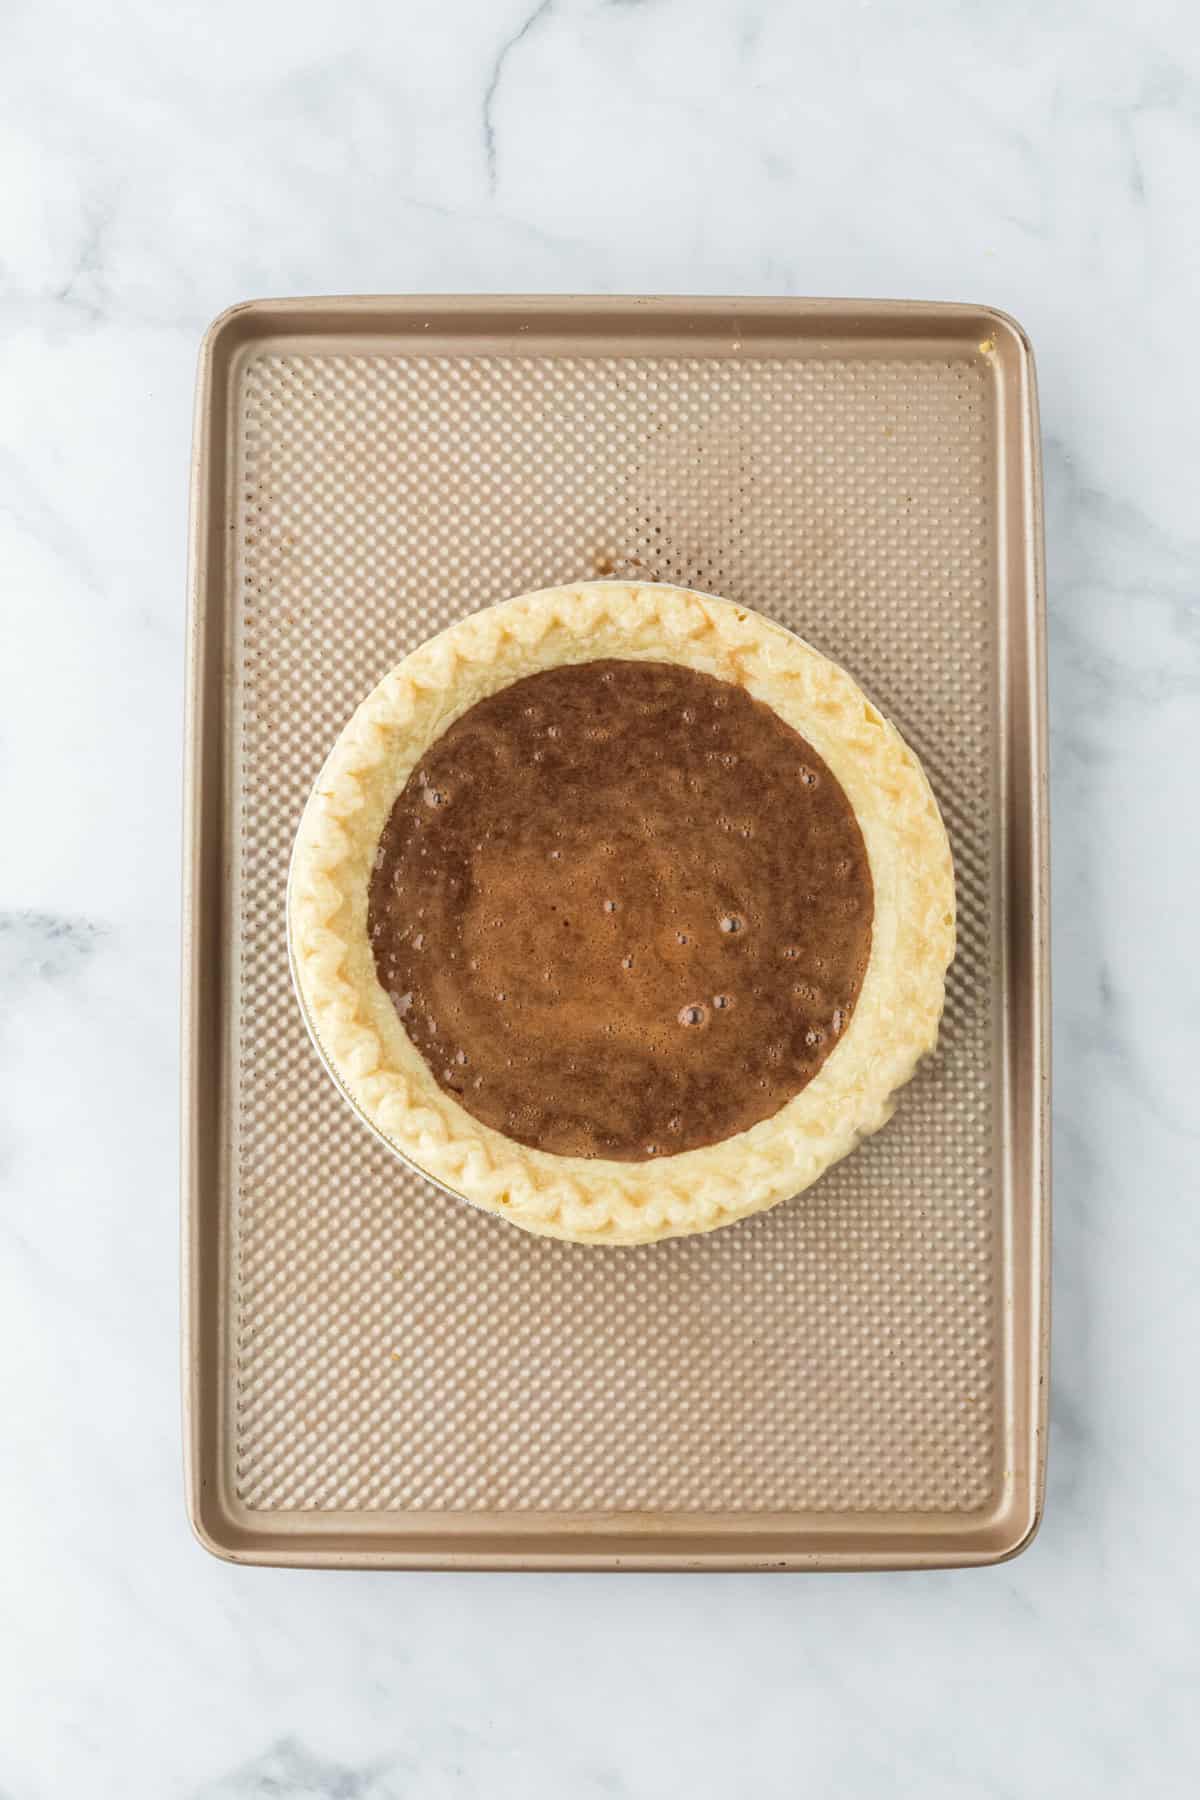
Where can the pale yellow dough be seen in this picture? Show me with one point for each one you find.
(363, 1042)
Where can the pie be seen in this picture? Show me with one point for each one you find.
(620, 911)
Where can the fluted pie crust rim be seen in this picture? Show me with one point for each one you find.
(362, 1041)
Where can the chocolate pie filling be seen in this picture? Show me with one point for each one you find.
(622, 910)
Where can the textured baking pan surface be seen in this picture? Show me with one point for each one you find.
(375, 1373)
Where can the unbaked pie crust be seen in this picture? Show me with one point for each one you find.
(364, 1044)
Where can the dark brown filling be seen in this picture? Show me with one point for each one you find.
(622, 909)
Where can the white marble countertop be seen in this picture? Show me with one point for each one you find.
(159, 162)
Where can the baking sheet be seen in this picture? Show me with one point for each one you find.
(375, 1373)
